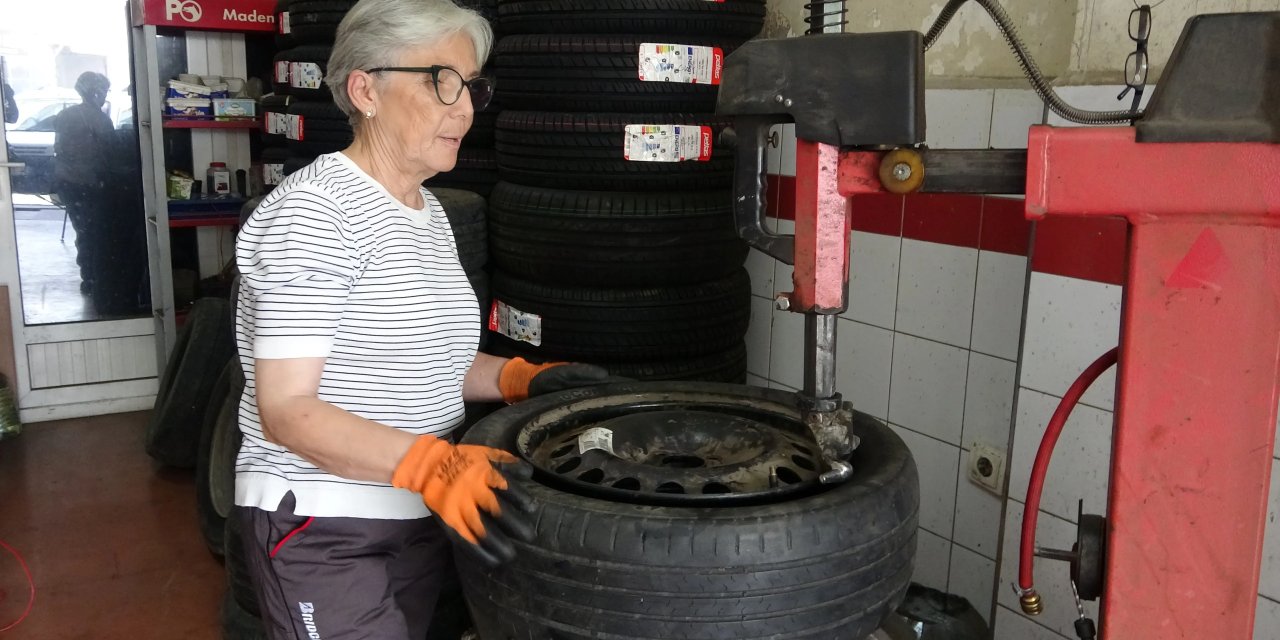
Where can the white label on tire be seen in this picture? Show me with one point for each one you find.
(275, 123)
(680, 63)
(515, 324)
(272, 173)
(596, 438)
(282, 72)
(284, 23)
(293, 127)
(666, 143)
(305, 75)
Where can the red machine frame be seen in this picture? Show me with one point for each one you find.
(1199, 376)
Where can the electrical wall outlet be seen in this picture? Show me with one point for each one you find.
(986, 467)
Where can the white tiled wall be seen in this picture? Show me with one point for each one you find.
(873, 278)
(988, 401)
(936, 284)
(1070, 323)
(937, 462)
(972, 577)
(927, 387)
(1000, 287)
(1267, 622)
(864, 365)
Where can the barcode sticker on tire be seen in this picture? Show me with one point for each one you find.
(293, 127)
(515, 324)
(276, 123)
(272, 173)
(596, 438)
(284, 23)
(690, 64)
(282, 72)
(666, 143)
(305, 75)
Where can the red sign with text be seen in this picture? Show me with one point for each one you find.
(218, 15)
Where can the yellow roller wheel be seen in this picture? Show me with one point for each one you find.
(902, 171)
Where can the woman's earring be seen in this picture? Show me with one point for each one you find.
(368, 114)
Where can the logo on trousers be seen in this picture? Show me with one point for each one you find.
(189, 10)
(309, 619)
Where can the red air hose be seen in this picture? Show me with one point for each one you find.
(1029, 599)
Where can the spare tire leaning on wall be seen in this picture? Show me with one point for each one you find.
(704, 553)
(204, 344)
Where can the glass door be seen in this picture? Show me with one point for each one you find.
(72, 238)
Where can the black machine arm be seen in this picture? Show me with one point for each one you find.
(751, 135)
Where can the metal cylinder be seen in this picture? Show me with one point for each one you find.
(819, 355)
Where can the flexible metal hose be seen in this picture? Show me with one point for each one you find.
(944, 18)
(820, 13)
(1029, 67)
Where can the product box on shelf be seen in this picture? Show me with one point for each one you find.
(188, 107)
(179, 90)
(234, 108)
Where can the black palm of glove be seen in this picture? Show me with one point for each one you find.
(520, 379)
(569, 376)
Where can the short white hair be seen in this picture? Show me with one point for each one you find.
(375, 33)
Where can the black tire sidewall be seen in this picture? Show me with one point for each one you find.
(874, 514)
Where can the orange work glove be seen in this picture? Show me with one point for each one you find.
(520, 379)
(467, 487)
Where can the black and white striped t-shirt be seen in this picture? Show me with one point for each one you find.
(333, 266)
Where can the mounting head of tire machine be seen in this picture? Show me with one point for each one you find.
(1199, 364)
(879, 104)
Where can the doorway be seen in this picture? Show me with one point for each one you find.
(72, 235)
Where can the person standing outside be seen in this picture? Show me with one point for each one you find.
(83, 147)
(357, 332)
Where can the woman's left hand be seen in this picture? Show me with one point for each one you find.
(520, 379)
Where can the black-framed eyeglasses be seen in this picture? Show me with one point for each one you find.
(1137, 64)
(450, 84)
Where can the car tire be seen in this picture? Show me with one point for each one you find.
(203, 346)
(595, 72)
(629, 325)
(586, 151)
(621, 239)
(824, 565)
(735, 18)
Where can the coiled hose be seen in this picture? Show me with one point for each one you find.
(1029, 67)
(819, 14)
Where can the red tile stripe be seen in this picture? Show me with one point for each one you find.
(877, 213)
(1083, 248)
(943, 218)
(1005, 228)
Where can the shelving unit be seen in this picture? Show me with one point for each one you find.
(219, 52)
(196, 123)
(205, 212)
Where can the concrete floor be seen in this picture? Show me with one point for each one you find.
(47, 267)
(111, 540)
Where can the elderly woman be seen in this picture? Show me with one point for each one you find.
(357, 332)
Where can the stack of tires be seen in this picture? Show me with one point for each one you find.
(611, 233)
(275, 111)
(311, 123)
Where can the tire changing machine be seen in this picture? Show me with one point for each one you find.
(1198, 179)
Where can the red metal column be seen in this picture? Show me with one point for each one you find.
(822, 231)
(1199, 375)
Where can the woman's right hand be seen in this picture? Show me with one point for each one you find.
(468, 488)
